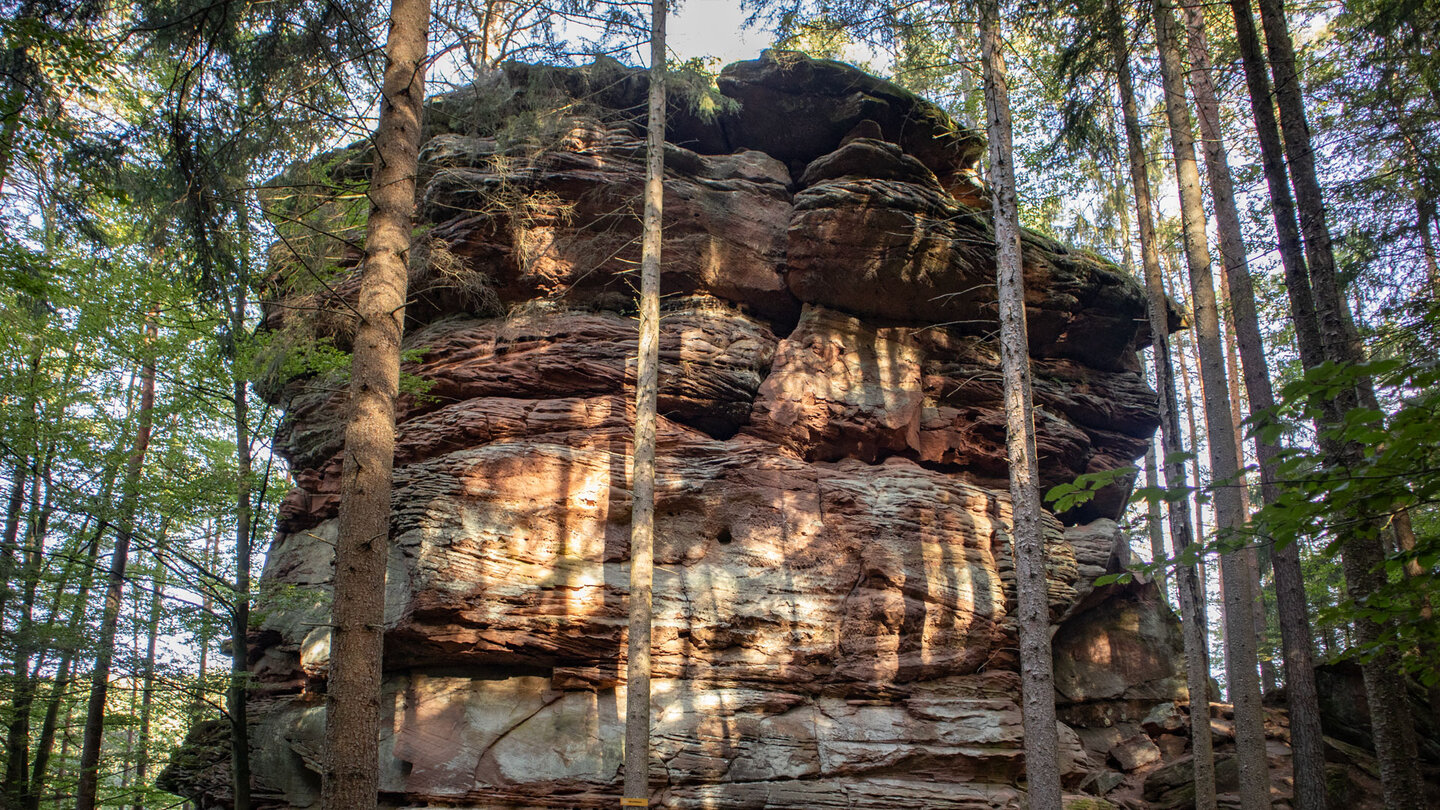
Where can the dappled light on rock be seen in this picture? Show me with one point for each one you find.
(834, 590)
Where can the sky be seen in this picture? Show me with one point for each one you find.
(713, 28)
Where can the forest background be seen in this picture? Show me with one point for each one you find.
(139, 146)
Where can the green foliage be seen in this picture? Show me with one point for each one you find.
(1064, 497)
(690, 84)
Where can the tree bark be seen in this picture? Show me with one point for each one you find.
(1154, 517)
(10, 534)
(1296, 635)
(1042, 765)
(351, 778)
(642, 514)
(1361, 552)
(238, 692)
(1239, 289)
(11, 109)
(1197, 668)
(1220, 431)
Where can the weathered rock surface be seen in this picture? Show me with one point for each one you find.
(834, 588)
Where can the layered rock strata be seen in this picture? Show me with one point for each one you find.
(834, 589)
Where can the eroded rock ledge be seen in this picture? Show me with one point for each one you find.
(834, 586)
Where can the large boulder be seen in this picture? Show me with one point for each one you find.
(835, 593)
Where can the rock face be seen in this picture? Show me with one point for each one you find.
(834, 588)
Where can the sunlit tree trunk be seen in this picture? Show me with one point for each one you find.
(207, 604)
(647, 386)
(1425, 221)
(1042, 765)
(64, 670)
(351, 780)
(26, 640)
(12, 107)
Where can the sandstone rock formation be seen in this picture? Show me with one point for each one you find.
(833, 578)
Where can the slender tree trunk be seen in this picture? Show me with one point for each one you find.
(1296, 635)
(199, 703)
(1239, 289)
(10, 111)
(10, 535)
(642, 520)
(63, 674)
(1220, 431)
(1197, 667)
(66, 738)
(128, 757)
(85, 798)
(147, 693)
(1154, 520)
(17, 770)
(60, 687)
(1154, 517)
(240, 614)
(351, 779)
(1042, 763)
(1182, 351)
(1425, 220)
(1361, 553)
(1405, 539)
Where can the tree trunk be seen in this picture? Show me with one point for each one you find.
(10, 534)
(1425, 220)
(240, 614)
(1296, 636)
(351, 779)
(1239, 289)
(199, 703)
(1154, 520)
(63, 675)
(10, 111)
(642, 515)
(1197, 668)
(60, 687)
(1239, 599)
(147, 693)
(1361, 552)
(17, 770)
(1405, 539)
(1042, 764)
(1182, 347)
(85, 798)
